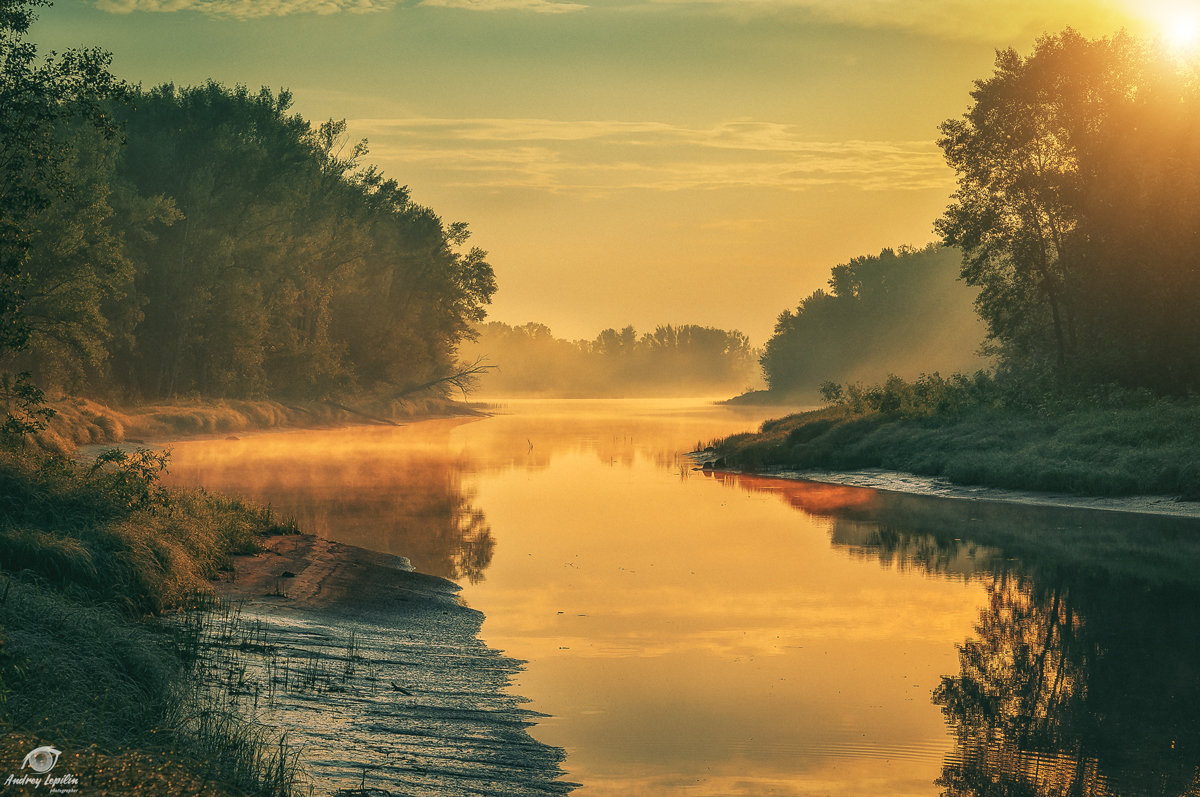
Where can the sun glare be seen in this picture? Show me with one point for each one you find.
(1181, 31)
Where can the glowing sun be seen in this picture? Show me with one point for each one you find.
(1181, 31)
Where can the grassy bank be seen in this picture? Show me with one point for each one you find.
(965, 431)
(90, 558)
(80, 421)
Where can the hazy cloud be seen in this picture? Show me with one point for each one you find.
(997, 20)
(601, 157)
(538, 6)
(246, 9)
(253, 9)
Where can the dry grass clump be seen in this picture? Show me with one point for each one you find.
(79, 422)
(110, 532)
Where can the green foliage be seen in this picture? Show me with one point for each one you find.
(928, 394)
(980, 430)
(38, 96)
(231, 249)
(227, 249)
(1077, 183)
(23, 406)
(897, 311)
(288, 270)
(110, 532)
(77, 268)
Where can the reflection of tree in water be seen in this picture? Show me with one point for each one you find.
(412, 503)
(1084, 690)
(472, 546)
(1083, 676)
(425, 514)
(1015, 702)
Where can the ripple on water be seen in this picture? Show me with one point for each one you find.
(412, 705)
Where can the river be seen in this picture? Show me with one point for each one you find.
(691, 633)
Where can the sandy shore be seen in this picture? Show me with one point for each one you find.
(908, 483)
(310, 573)
(376, 674)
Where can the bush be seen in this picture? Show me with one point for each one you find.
(111, 532)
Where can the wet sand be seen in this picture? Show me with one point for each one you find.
(908, 483)
(377, 675)
(306, 572)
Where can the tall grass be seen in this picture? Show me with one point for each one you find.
(110, 532)
(973, 430)
(90, 557)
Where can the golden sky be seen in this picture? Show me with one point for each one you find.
(626, 161)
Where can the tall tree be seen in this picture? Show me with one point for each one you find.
(896, 312)
(37, 95)
(1078, 193)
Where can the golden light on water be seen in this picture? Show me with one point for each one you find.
(694, 632)
(684, 631)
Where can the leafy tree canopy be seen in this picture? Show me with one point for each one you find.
(1078, 193)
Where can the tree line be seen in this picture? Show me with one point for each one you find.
(670, 360)
(901, 311)
(207, 240)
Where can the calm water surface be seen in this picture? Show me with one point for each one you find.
(724, 635)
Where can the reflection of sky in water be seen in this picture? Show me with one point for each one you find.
(687, 633)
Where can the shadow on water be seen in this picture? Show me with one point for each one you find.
(1081, 677)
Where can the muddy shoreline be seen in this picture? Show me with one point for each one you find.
(377, 676)
(911, 484)
(311, 573)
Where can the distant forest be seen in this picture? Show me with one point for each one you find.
(671, 360)
(207, 241)
(899, 312)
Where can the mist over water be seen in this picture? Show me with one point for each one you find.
(692, 633)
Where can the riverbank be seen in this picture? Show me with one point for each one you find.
(1092, 451)
(205, 641)
(92, 559)
(911, 484)
(80, 421)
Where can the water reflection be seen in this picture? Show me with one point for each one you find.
(719, 634)
(1077, 685)
(357, 487)
(1081, 675)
